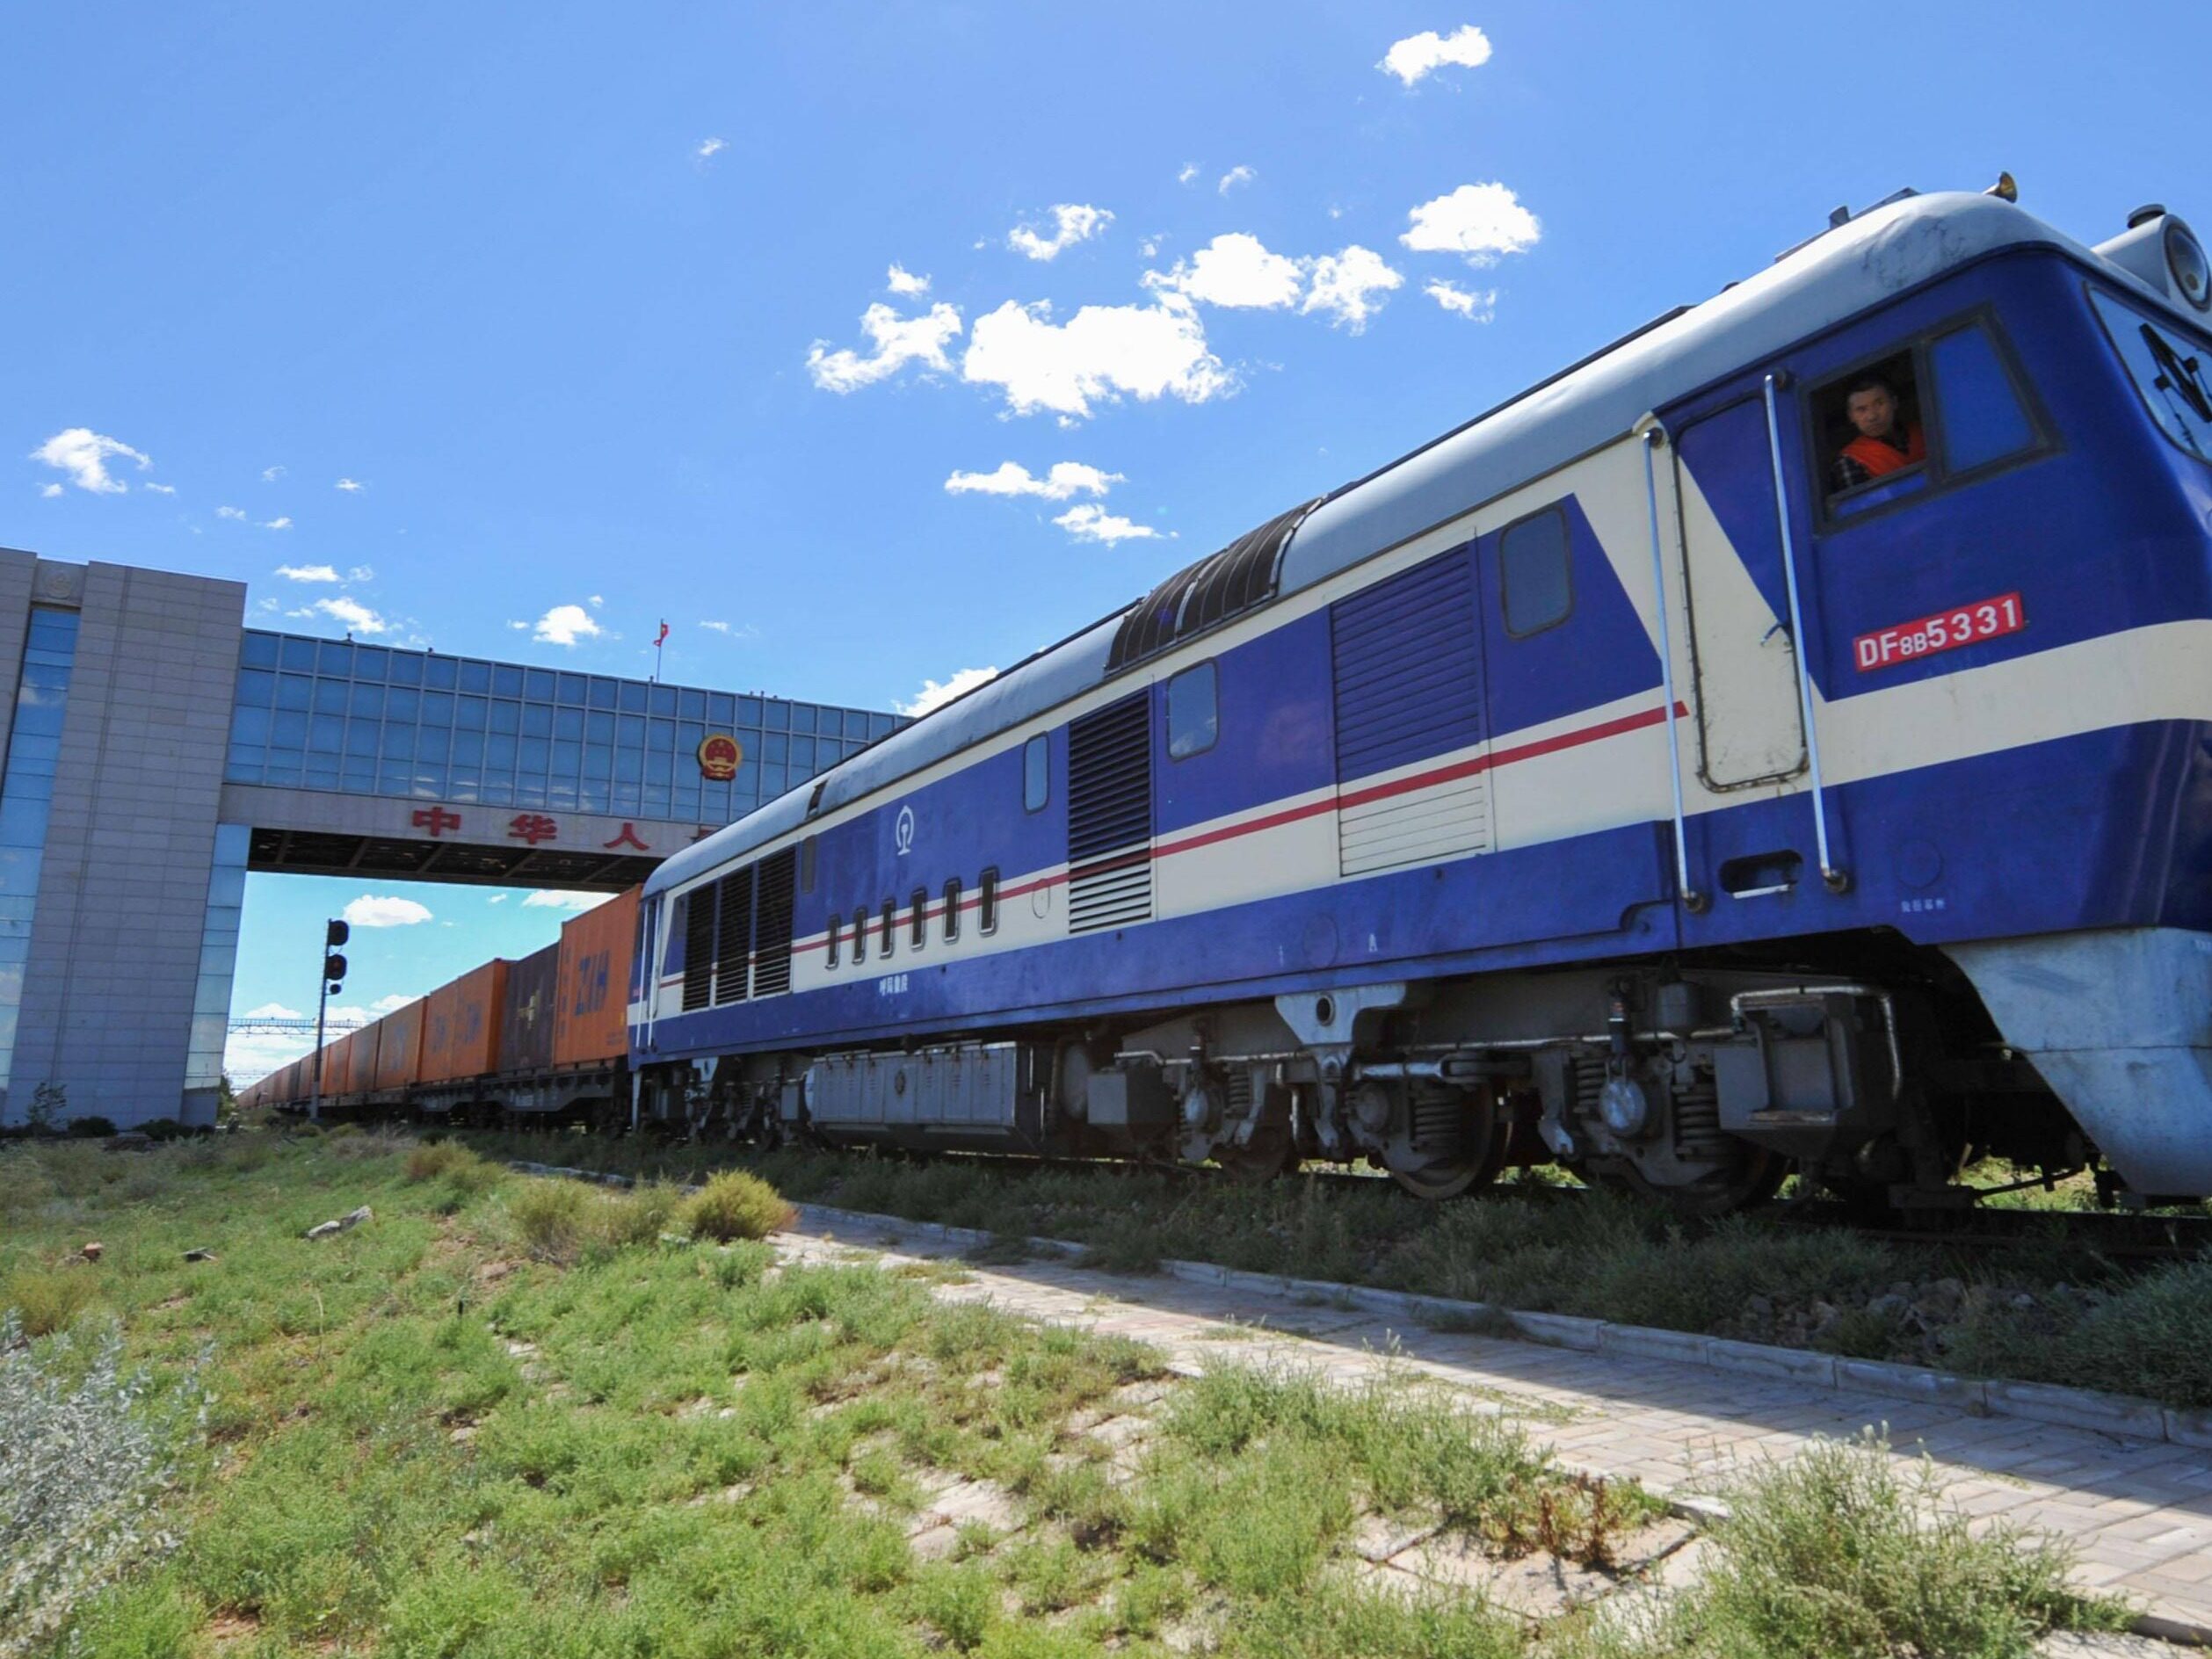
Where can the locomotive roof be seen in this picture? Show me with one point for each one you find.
(1833, 276)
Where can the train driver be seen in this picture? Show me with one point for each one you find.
(1885, 442)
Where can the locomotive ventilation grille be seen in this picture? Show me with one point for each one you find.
(699, 948)
(733, 940)
(1110, 816)
(772, 952)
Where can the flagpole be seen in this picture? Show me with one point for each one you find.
(659, 640)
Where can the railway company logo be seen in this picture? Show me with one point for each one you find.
(719, 755)
(903, 830)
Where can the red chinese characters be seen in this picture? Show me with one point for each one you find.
(532, 827)
(1945, 631)
(437, 820)
(628, 838)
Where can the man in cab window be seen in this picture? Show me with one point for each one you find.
(1884, 444)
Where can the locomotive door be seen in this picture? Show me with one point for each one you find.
(1743, 664)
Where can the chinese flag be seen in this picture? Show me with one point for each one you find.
(663, 635)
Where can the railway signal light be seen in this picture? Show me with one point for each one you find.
(334, 969)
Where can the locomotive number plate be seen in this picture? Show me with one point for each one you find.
(1945, 631)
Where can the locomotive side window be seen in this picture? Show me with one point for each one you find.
(952, 910)
(2169, 369)
(919, 934)
(987, 903)
(806, 864)
(1194, 713)
(1538, 585)
(891, 925)
(1979, 417)
(837, 932)
(859, 933)
(1036, 773)
(1870, 438)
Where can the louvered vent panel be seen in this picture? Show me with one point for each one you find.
(698, 947)
(771, 947)
(1408, 663)
(734, 947)
(1110, 816)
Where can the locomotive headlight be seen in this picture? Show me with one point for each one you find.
(2192, 272)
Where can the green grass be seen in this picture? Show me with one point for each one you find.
(514, 1418)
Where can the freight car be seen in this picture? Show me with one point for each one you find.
(542, 1038)
(1617, 780)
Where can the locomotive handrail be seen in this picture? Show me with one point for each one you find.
(1838, 880)
(1654, 435)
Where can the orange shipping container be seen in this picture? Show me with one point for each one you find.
(399, 1047)
(336, 1055)
(460, 1027)
(592, 1027)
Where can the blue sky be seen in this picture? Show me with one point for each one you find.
(579, 297)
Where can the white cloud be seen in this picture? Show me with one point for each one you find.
(84, 454)
(1090, 522)
(348, 485)
(1189, 173)
(1346, 284)
(897, 341)
(1419, 55)
(1065, 479)
(595, 601)
(1479, 221)
(1102, 352)
(269, 475)
(230, 512)
(733, 630)
(277, 523)
(1477, 305)
(360, 573)
(711, 149)
(900, 280)
(497, 898)
(932, 695)
(369, 910)
(1073, 222)
(1234, 270)
(306, 572)
(272, 1010)
(49, 490)
(563, 625)
(1235, 175)
(392, 1004)
(357, 618)
(159, 490)
(553, 899)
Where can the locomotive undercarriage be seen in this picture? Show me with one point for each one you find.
(1700, 1084)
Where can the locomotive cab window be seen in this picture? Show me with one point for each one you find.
(1534, 577)
(1194, 713)
(2170, 371)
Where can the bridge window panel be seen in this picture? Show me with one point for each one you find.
(629, 766)
(433, 743)
(802, 754)
(326, 734)
(329, 697)
(502, 716)
(881, 725)
(244, 763)
(567, 757)
(572, 688)
(366, 701)
(599, 728)
(286, 771)
(256, 686)
(288, 730)
(2171, 371)
(691, 705)
(917, 924)
(406, 669)
(471, 714)
(569, 722)
(987, 902)
(370, 661)
(1194, 712)
(629, 732)
(891, 927)
(469, 749)
(715, 798)
(537, 720)
(538, 684)
(402, 702)
(476, 677)
(258, 650)
(661, 700)
(952, 910)
(334, 659)
(395, 779)
(298, 654)
(249, 725)
(654, 801)
(1979, 411)
(685, 800)
(561, 793)
(625, 799)
(506, 680)
(499, 753)
(399, 743)
(747, 712)
(322, 771)
(358, 777)
(660, 770)
(294, 690)
(775, 715)
(592, 795)
(721, 710)
(660, 737)
(1036, 773)
(438, 709)
(533, 756)
(632, 698)
(836, 935)
(1536, 582)
(441, 673)
(429, 780)
(498, 791)
(775, 747)
(689, 736)
(605, 693)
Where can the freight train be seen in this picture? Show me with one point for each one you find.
(1777, 741)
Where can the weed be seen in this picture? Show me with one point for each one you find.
(25, 1186)
(735, 1205)
(959, 1602)
(551, 1216)
(464, 1170)
(44, 1300)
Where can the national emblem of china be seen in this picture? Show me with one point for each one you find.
(719, 754)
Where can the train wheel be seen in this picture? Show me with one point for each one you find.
(1461, 1148)
(1271, 1152)
(1750, 1185)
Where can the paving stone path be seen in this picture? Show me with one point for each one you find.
(2139, 1513)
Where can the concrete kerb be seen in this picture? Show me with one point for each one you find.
(2090, 1408)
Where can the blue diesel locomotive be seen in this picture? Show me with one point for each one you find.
(1630, 779)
